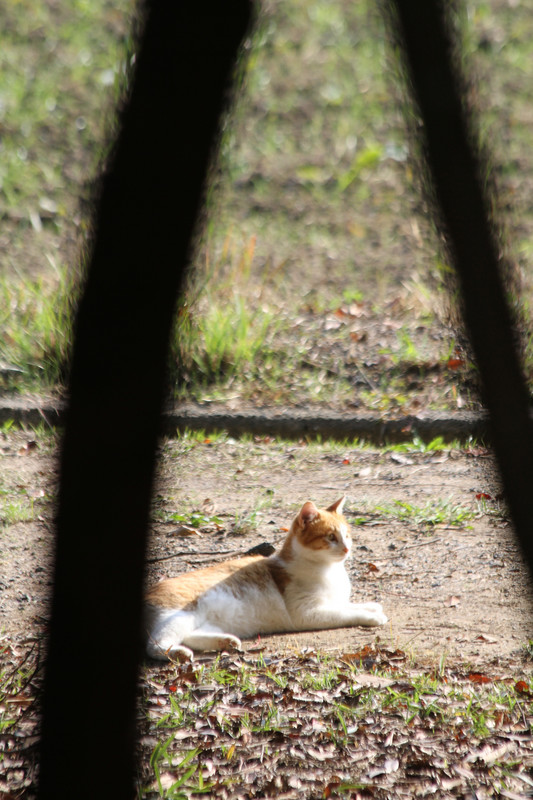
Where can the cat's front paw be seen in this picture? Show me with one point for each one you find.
(374, 614)
(380, 618)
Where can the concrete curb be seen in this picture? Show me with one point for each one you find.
(288, 424)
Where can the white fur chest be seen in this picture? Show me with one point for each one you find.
(309, 589)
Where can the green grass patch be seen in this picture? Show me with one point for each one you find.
(314, 715)
(36, 330)
(315, 200)
(434, 512)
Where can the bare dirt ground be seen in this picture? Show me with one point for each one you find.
(453, 591)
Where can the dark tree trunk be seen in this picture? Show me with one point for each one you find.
(149, 204)
(458, 182)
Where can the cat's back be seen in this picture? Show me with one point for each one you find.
(188, 588)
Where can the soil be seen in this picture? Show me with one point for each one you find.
(459, 592)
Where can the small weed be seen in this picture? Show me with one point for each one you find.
(366, 160)
(528, 648)
(222, 342)
(185, 784)
(195, 519)
(191, 438)
(249, 521)
(324, 680)
(440, 512)
(352, 296)
(408, 351)
(35, 329)
(17, 511)
(419, 446)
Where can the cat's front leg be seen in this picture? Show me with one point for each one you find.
(367, 614)
(211, 637)
(364, 614)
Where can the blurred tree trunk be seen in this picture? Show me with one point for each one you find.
(458, 181)
(151, 195)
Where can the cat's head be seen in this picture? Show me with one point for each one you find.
(320, 534)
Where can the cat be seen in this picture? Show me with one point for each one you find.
(303, 587)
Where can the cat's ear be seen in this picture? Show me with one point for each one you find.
(337, 506)
(308, 513)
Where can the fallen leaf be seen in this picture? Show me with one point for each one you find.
(341, 313)
(391, 765)
(346, 461)
(165, 781)
(522, 687)
(388, 766)
(231, 752)
(399, 459)
(369, 679)
(185, 530)
(319, 754)
(483, 496)
(490, 754)
(478, 677)
(455, 363)
(452, 601)
(208, 506)
(29, 447)
(484, 638)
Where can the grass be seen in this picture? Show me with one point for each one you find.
(314, 183)
(274, 710)
(434, 512)
(17, 511)
(58, 73)
(36, 330)
(189, 439)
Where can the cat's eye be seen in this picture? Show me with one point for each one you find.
(332, 537)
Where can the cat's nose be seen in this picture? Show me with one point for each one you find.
(345, 549)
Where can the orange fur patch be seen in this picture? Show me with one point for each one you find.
(185, 589)
(313, 532)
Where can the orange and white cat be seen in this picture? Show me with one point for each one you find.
(303, 587)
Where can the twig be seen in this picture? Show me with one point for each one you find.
(19, 666)
(365, 377)
(192, 553)
(420, 544)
